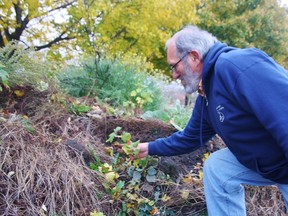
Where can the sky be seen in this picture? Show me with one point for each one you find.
(284, 2)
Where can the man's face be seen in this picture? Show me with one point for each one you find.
(185, 69)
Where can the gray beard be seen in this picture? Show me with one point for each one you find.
(191, 79)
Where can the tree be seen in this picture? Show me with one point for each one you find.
(33, 23)
(137, 26)
(101, 27)
(251, 23)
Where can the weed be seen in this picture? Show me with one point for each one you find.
(79, 108)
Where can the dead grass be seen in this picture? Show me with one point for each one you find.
(39, 176)
(264, 201)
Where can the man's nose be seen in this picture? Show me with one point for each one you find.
(175, 75)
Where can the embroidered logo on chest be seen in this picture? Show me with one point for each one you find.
(219, 110)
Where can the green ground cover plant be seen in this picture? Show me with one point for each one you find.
(133, 182)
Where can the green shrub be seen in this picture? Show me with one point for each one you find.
(3, 76)
(112, 82)
(19, 66)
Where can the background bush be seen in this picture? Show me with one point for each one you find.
(113, 82)
(24, 67)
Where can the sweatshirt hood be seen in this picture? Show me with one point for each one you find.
(210, 60)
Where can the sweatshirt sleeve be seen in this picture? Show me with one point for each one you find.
(185, 141)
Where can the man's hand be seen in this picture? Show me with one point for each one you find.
(143, 150)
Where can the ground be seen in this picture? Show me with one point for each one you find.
(39, 170)
(143, 130)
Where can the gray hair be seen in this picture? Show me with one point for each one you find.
(192, 38)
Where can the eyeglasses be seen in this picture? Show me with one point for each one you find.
(173, 67)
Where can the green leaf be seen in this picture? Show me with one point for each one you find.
(93, 166)
(140, 169)
(4, 76)
(118, 186)
(117, 129)
(124, 207)
(111, 137)
(151, 178)
(125, 137)
(133, 93)
(130, 171)
(136, 152)
(151, 171)
(157, 196)
(127, 149)
(113, 134)
(136, 176)
(115, 159)
(135, 144)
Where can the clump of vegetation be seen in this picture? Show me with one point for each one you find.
(20, 67)
(178, 115)
(130, 178)
(114, 83)
(139, 186)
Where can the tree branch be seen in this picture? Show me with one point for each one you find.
(62, 6)
(21, 24)
(1, 40)
(18, 11)
(56, 40)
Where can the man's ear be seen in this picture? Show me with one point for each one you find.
(195, 56)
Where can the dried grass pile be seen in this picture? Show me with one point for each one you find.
(264, 201)
(39, 176)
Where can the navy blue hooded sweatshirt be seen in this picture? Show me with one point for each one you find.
(246, 104)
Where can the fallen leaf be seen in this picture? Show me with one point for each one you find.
(19, 93)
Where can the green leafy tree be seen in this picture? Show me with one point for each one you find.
(251, 23)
